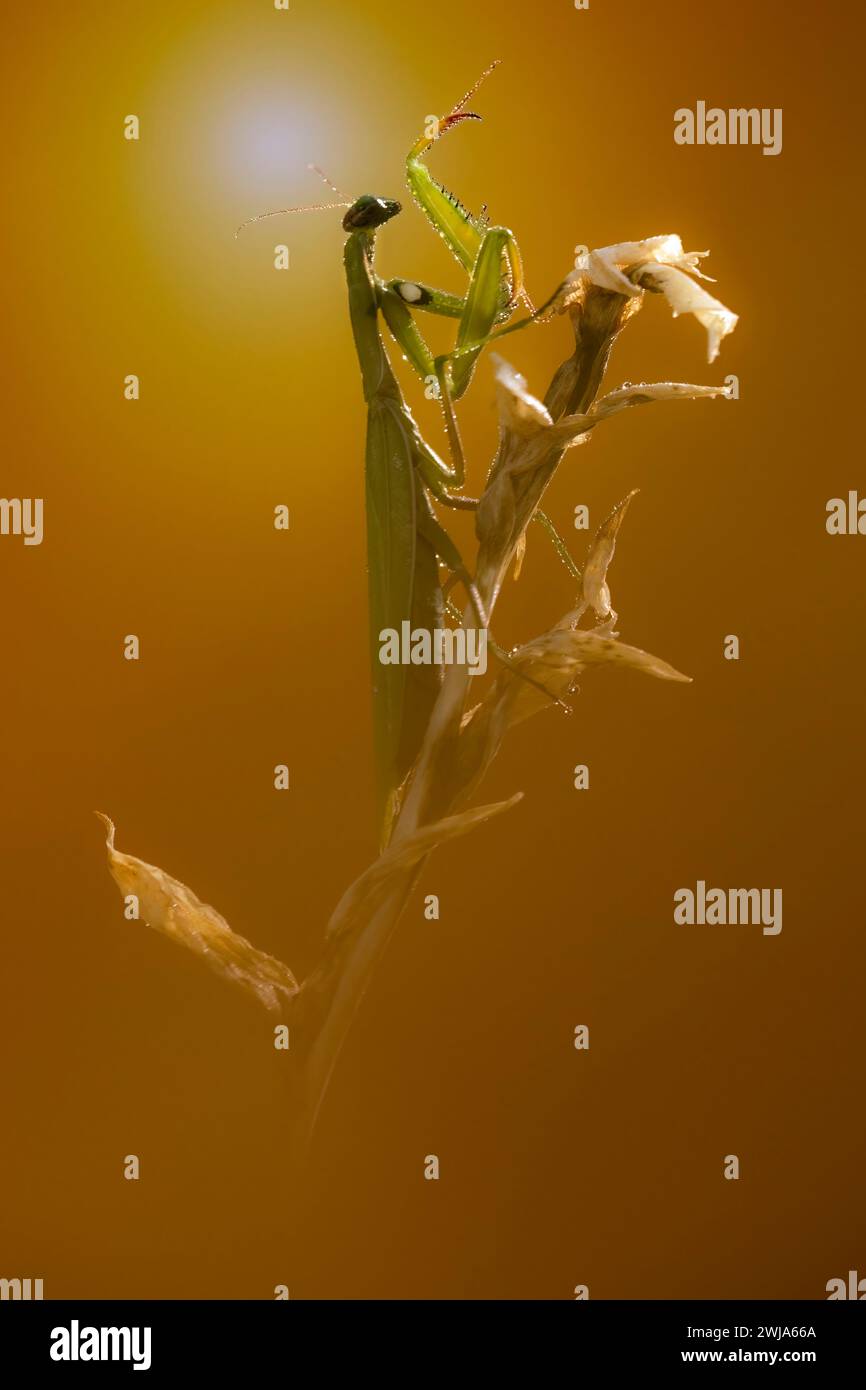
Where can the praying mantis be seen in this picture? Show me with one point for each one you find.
(404, 475)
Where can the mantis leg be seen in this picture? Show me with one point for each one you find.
(557, 542)
(461, 232)
(459, 471)
(440, 479)
(447, 551)
(487, 302)
(478, 310)
(483, 307)
(396, 299)
(416, 295)
(482, 310)
(439, 539)
(476, 314)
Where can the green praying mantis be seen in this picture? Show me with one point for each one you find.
(404, 475)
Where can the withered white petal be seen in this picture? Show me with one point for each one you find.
(519, 410)
(660, 263)
(605, 265)
(685, 297)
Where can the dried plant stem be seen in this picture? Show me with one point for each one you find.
(459, 743)
(575, 385)
(332, 994)
(338, 986)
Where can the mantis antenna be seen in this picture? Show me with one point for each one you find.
(278, 212)
(333, 187)
(311, 207)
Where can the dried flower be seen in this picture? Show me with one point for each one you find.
(659, 263)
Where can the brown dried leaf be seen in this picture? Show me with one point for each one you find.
(594, 580)
(574, 429)
(173, 909)
(554, 661)
(645, 392)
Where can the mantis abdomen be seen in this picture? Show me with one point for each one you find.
(403, 570)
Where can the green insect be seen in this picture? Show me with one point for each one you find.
(404, 475)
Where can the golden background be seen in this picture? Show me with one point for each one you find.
(558, 1167)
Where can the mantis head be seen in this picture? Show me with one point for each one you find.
(369, 212)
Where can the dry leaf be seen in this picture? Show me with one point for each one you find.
(173, 909)
(362, 898)
(645, 392)
(594, 579)
(573, 429)
(555, 660)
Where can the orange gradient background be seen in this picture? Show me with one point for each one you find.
(557, 1167)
